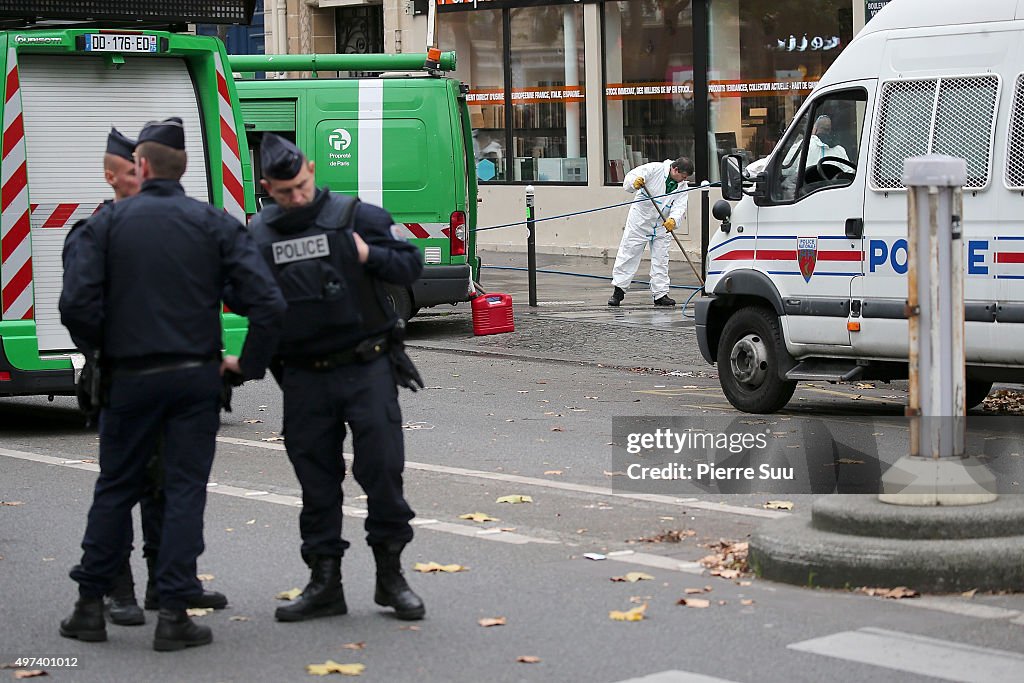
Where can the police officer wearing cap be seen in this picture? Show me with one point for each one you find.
(339, 362)
(144, 289)
(122, 607)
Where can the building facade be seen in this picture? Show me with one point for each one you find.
(569, 95)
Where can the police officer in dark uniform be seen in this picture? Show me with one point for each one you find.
(122, 607)
(340, 358)
(144, 289)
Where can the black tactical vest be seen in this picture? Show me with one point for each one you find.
(333, 304)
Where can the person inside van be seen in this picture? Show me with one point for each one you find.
(823, 142)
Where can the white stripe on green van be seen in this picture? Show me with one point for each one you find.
(371, 141)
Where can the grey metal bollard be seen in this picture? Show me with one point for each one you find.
(936, 471)
(531, 245)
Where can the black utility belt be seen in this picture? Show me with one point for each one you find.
(150, 366)
(363, 352)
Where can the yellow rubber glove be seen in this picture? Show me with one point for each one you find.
(670, 224)
(638, 183)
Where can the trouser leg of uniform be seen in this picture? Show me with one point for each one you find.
(128, 426)
(190, 432)
(151, 505)
(372, 412)
(627, 260)
(659, 266)
(314, 436)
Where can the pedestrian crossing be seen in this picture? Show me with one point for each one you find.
(909, 653)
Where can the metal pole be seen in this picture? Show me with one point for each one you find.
(705, 228)
(531, 244)
(936, 471)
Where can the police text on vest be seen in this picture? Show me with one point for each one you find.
(301, 248)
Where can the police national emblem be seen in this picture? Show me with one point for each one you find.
(807, 255)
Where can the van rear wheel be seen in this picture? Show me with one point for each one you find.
(400, 300)
(748, 362)
(976, 390)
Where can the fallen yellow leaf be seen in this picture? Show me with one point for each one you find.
(746, 602)
(553, 472)
(205, 577)
(491, 621)
(528, 659)
(515, 499)
(428, 567)
(289, 595)
(696, 591)
(699, 603)
(778, 505)
(29, 673)
(726, 573)
(355, 646)
(969, 594)
(633, 577)
(635, 614)
(11, 502)
(197, 611)
(332, 667)
(479, 517)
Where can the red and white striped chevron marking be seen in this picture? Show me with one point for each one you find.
(62, 215)
(231, 164)
(424, 230)
(15, 243)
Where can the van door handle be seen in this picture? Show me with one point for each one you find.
(854, 228)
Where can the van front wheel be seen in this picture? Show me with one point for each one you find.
(748, 362)
(976, 392)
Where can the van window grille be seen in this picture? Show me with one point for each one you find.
(953, 116)
(1015, 141)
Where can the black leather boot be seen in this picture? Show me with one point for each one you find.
(324, 596)
(122, 607)
(86, 622)
(175, 630)
(205, 600)
(392, 589)
(617, 296)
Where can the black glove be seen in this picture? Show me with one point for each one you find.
(88, 391)
(406, 374)
(227, 384)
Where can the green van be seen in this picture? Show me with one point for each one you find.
(402, 141)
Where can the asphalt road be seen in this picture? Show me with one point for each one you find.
(529, 413)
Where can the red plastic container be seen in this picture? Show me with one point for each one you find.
(492, 314)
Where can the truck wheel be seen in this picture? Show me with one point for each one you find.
(400, 300)
(976, 391)
(748, 362)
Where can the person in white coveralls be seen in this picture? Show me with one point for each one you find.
(647, 224)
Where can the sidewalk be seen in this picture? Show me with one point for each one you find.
(573, 321)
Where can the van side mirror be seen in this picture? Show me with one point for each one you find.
(263, 201)
(732, 177)
(722, 211)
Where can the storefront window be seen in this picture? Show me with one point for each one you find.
(548, 114)
(547, 129)
(765, 56)
(477, 38)
(649, 100)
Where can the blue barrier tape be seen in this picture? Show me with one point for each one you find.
(696, 188)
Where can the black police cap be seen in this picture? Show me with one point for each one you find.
(169, 132)
(120, 145)
(280, 158)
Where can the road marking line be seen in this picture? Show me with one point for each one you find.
(294, 501)
(676, 676)
(915, 654)
(550, 484)
(659, 562)
(957, 606)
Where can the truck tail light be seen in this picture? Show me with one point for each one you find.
(457, 233)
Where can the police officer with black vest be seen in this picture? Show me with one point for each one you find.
(144, 289)
(122, 607)
(340, 357)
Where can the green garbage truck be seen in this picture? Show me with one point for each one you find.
(400, 138)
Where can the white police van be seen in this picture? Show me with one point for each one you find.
(807, 276)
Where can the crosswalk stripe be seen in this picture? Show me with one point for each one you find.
(675, 676)
(944, 659)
